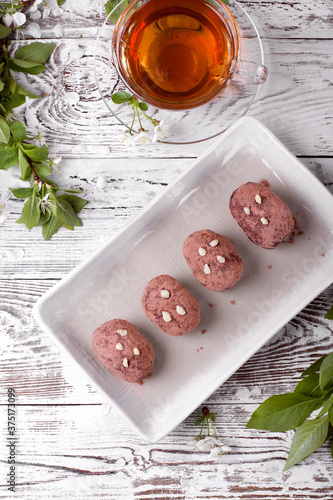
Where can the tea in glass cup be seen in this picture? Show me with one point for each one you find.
(176, 54)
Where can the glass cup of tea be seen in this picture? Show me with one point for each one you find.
(179, 54)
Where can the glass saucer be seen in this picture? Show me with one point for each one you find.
(197, 124)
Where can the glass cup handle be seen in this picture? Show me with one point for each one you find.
(257, 73)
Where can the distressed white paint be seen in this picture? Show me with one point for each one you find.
(71, 442)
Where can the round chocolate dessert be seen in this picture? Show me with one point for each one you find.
(263, 216)
(123, 350)
(213, 259)
(170, 306)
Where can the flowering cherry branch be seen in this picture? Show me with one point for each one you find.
(43, 206)
(209, 443)
(141, 136)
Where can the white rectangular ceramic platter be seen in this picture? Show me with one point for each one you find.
(275, 286)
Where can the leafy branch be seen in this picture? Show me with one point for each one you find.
(314, 393)
(45, 205)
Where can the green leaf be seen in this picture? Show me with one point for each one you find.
(328, 402)
(13, 101)
(51, 227)
(30, 213)
(3, 111)
(35, 52)
(200, 420)
(12, 86)
(18, 131)
(282, 412)
(330, 415)
(308, 437)
(1, 85)
(47, 181)
(72, 191)
(36, 154)
(29, 147)
(112, 4)
(77, 203)
(310, 386)
(4, 131)
(315, 367)
(61, 2)
(8, 158)
(331, 447)
(42, 169)
(21, 193)
(326, 372)
(329, 314)
(24, 165)
(21, 66)
(44, 218)
(120, 97)
(66, 214)
(4, 31)
(143, 106)
(22, 91)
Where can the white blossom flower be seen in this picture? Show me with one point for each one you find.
(72, 97)
(226, 449)
(58, 11)
(41, 140)
(126, 138)
(143, 137)
(215, 452)
(7, 19)
(5, 196)
(56, 161)
(46, 12)
(45, 204)
(161, 131)
(219, 451)
(101, 181)
(76, 54)
(208, 443)
(94, 122)
(98, 5)
(58, 31)
(36, 14)
(34, 30)
(34, 6)
(4, 213)
(18, 18)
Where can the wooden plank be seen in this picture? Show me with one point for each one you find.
(41, 374)
(71, 450)
(298, 71)
(279, 18)
(72, 444)
(131, 184)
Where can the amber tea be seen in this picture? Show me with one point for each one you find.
(176, 54)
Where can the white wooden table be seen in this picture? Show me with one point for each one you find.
(70, 443)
